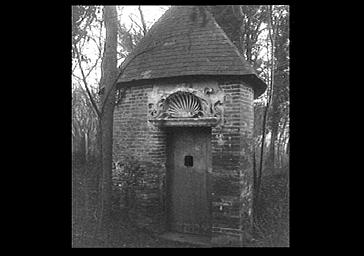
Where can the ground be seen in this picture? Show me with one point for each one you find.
(126, 235)
(274, 228)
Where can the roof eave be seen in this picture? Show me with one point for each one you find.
(258, 85)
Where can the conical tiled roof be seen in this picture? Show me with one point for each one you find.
(178, 45)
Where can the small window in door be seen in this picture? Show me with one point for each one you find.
(188, 161)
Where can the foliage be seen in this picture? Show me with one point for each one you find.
(84, 108)
(127, 176)
(278, 117)
(129, 38)
(82, 17)
(84, 120)
(272, 227)
(281, 72)
(88, 33)
(277, 126)
(84, 197)
(244, 25)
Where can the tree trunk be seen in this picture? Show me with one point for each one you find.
(275, 119)
(281, 142)
(272, 149)
(142, 20)
(270, 93)
(110, 72)
(86, 147)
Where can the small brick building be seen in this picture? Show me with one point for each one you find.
(187, 118)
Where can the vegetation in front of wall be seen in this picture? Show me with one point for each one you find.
(84, 199)
(271, 227)
(127, 177)
(124, 233)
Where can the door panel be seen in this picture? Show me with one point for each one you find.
(189, 188)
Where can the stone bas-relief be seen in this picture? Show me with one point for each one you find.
(185, 102)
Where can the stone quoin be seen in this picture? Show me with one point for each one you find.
(187, 118)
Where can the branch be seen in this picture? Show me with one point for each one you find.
(126, 41)
(74, 68)
(85, 83)
(95, 64)
(143, 21)
(257, 32)
(97, 45)
(135, 23)
(100, 37)
(270, 93)
(272, 39)
(85, 95)
(122, 68)
(76, 76)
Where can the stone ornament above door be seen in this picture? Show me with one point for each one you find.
(183, 106)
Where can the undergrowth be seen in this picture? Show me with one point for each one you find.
(271, 229)
(272, 226)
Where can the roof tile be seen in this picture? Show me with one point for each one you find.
(177, 46)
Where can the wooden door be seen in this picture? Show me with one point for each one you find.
(189, 160)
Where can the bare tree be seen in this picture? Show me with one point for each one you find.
(145, 30)
(104, 110)
(258, 173)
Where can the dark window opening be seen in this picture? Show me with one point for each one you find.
(188, 161)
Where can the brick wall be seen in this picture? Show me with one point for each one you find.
(232, 169)
(134, 136)
(231, 175)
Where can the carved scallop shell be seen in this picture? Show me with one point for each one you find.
(183, 104)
